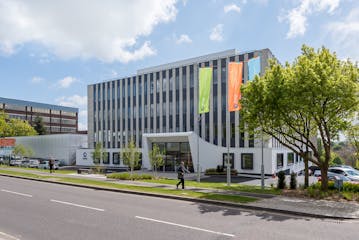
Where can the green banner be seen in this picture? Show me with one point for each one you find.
(205, 82)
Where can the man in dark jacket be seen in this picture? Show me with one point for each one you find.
(181, 171)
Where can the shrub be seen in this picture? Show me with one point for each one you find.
(213, 171)
(350, 187)
(127, 176)
(281, 180)
(293, 181)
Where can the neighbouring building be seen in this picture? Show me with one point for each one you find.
(159, 105)
(57, 119)
(60, 147)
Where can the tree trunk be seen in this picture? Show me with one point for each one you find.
(324, 176)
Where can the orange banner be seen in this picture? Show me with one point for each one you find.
(234, 85)
(7, 142)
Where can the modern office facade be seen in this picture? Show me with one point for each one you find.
(57, 119)
(160, 105)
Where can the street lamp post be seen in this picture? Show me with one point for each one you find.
(228, 167)
(262, 165)
(198, 170)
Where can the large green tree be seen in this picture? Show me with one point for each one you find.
(353, 137)
(317, 95)
(14, 127)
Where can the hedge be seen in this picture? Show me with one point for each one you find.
(127, 176)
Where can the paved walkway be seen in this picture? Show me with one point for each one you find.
(290, 205)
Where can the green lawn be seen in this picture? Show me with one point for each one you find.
(223, 186)
(40, 170)
(110, 185)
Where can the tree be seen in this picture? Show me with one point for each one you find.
(131, 156)
(21, 150)
(39, 125)
(98, 154)
(14, 127)
(315, 96)
(353, 138)
(156, 158)
(335, 160)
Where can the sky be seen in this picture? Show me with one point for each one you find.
(51, 50)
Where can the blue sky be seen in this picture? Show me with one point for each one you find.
(50, 51)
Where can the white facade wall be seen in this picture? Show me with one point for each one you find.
(58, 146)
(210, 155)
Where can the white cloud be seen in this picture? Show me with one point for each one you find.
(217, 33)
(232, 7)
(184, 38)
(345, 35)
(36, 80)
(107, 30)
(66, 82)
(72, 101)
(297, 17)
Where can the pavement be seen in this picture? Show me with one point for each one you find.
(266, 202)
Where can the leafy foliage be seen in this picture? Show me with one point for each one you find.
(316, 95)
(21, 150)
(14, 127)
(127, 176)
(293, 181)
(156, 158)
(39, 126)
(281, 180)
(131, 156)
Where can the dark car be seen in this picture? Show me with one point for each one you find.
(312, 169)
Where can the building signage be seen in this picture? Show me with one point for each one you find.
(7, 142)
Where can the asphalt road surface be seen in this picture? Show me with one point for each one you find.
(32, 210)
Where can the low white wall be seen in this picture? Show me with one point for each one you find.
(210, 155)
(58, 146)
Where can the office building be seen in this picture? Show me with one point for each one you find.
(160, 105)
(57, 119)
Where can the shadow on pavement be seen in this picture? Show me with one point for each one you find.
(268, 216)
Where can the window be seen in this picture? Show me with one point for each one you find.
(247, 160)
(290, 158)
(106, 158)
(116, 158)
(279, 160)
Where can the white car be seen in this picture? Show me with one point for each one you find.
(45, 165)
(350, 173)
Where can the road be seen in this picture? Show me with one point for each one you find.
(32, 210)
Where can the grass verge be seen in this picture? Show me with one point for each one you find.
(110, 185)
(223, 186)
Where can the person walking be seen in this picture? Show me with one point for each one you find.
(181, 171)
(51, 165)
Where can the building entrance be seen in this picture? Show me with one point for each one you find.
(175, 152)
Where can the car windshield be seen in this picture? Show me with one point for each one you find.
(352, 173)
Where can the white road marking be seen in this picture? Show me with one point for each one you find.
(78, 205)
(7, 236)
(185, 226)
(17, 193)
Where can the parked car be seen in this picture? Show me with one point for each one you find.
(45, 165)
(25, 163)
(350, 173)
(15, 163)
(33, 163)
(317, 173)
(312, 169)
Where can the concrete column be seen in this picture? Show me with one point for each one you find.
(188, 92)
(137, 110)
(211, 125)
(219, 101)
(160, 103)
(236, 117)
(116, 113)
(195, 96)
(180, 91)
(167, 101)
